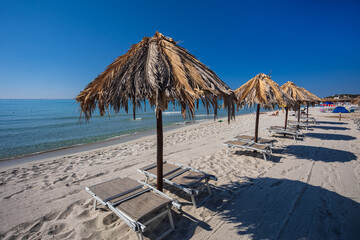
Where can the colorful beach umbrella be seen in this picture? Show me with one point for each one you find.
(298, 94)
(264, 92)
(157, 70)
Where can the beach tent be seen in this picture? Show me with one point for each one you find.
(264, 92)
(157, 70)
(340, 110)
(299, 95)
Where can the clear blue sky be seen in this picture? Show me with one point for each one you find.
(53, 49)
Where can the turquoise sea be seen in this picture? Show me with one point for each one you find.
(32, 126)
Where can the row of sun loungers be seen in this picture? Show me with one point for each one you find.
(301, 124)
(139, 204)
(308, 120)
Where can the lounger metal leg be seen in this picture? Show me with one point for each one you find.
(193, 200)
(140, 236)
(95, 204)
(208, 187)
(171, 219)
(264, 156)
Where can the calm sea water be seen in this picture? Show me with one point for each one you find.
(31, 126)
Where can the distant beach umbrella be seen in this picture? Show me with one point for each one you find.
(264, 92)
(316, 100)
(299, 95)
(161, 72)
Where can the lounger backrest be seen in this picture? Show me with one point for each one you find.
(189, 178)
(143, 204)
(115, 188)
(168, 169)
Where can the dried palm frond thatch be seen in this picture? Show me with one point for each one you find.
(161, 72)
(315, 98)
(264, 92)
(300, 95)
(297, 93)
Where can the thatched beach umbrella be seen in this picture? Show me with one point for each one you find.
(316, 100)
(298, 94)
(264, 92)
(161, 72)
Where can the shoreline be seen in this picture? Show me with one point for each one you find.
(79, 148)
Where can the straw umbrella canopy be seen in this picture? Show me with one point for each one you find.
(298, 94)
(316, 100)
(264, 92)
(161, 72)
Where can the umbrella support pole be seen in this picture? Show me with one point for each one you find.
(257, 123)
(286, 118)
(307, 112)
(299, 110)
(159, 155)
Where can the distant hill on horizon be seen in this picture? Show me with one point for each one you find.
(342, 96)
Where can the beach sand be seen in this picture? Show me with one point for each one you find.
(309, 189)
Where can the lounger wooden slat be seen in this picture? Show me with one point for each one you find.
(167, 169)
(189, 178)
(112, 188)
(143, 205)
(259, 146)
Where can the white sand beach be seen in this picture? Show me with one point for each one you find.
(309, 189)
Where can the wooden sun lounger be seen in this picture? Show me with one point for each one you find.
(135, 202)
(264, 141)
(281, 130)
(264, 149)
(183, 177)
(308, 120)
(301, 124)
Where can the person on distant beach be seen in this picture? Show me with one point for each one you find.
(275, 113)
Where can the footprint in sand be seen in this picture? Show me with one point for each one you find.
(56, 228)
(109, 219)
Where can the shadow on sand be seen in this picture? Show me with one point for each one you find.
(330, 136)
(286, 209)
(268, 208)
(319, 153)
(329, 122)
(330, 128)
(252, 153)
